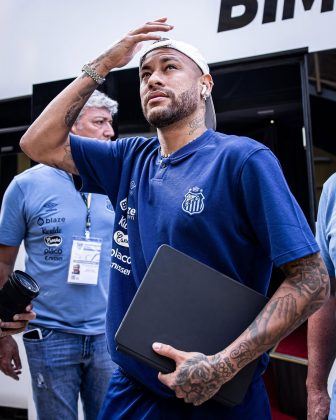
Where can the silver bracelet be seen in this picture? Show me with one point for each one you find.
(93, 74)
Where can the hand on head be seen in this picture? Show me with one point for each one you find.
(125, 49)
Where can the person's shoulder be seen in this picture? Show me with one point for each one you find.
(137, 141)
(330, 183)
(138, 144)
(35, 174)
(329, 186)
(241, 145)
(34, 171)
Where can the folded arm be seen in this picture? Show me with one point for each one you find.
(198, 377)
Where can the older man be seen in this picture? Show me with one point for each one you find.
(221, 199)
(67, 238)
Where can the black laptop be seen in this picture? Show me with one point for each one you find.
(185, 303)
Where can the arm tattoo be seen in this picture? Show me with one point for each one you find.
(301, 294)
(74, 109)
(242, 355)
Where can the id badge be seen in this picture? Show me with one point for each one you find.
(84, 261)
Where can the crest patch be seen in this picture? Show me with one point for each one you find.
(193, 202)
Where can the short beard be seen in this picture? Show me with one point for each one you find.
(181, 107)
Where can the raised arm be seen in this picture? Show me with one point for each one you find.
(198, 377)
(47, 139)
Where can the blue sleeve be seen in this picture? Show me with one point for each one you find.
(12, 216)
(274, 215)
(101, 164)
(326, 225)
(96, 162)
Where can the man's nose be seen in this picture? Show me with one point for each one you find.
(155, 79)
(108, 130)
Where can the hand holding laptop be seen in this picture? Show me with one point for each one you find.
(192, 307)
(197, 377)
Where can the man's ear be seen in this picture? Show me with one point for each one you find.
(74, 129)
(206, 80)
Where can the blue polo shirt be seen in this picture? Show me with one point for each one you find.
(326, 226)
(42, 207)
(221, 199)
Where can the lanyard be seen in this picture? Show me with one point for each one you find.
(87, 201)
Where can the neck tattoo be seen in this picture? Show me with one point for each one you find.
(167, 155)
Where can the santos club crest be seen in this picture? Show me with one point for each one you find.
(193, 201)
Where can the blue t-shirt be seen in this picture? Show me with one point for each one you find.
(326, 224)
(42, 207)
(221, 199)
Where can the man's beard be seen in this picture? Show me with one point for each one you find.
(180, 107)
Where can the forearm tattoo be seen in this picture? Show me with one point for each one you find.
(301, 294)
(74, 109)
(304, 289)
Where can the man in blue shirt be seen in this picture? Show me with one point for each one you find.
(67, 237)
(221, 199)
(322, 325)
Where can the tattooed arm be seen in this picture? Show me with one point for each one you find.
(321, 356)
(47, 140)
(198, 377)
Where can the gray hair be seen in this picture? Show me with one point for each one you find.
(100, 100)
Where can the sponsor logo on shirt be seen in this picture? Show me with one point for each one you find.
(132, 187)
(123, 258)
(41, 221)
(53, 240)
(123, 204)
(51, 231)
(123, 222)
(121, 269)
(109, 204)
(50, 206)
(131, 213)
(193, 202)
(121, 238)
(53, 254)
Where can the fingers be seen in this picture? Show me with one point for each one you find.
(25, 316)
(9, 369)
(169, 351)
(10, 362)
(17, 362)
(158, 25)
